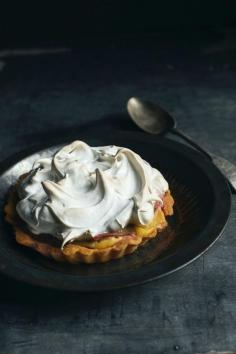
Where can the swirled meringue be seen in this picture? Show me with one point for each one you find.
(84, 191)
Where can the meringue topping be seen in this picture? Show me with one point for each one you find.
(84, 191)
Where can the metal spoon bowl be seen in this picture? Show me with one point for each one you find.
(153, 119)
(145, 114)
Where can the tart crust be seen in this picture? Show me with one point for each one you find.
(100, 251)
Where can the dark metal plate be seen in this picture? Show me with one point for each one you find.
(202, 207)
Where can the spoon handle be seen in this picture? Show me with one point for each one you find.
(227, 168)
(191, 142)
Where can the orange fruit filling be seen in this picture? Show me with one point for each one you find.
(158, 222)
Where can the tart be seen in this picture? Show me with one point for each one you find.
(89, 204)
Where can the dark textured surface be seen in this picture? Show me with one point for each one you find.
(193, 310)
(35, 24)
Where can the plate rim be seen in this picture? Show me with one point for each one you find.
(148, 272)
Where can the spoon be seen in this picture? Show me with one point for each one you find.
(154, 119)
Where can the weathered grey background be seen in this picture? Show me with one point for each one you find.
(192, 311)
